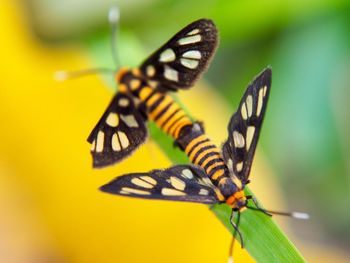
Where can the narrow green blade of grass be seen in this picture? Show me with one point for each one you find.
(262, 237)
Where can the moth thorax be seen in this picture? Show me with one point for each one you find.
(227, 187)
(129, 80)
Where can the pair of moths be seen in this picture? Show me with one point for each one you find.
(215, 176)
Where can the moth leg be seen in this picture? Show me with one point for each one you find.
(257, 205)
(235, 226)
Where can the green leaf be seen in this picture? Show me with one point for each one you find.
(263, 239)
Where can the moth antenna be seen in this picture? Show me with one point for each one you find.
(113, 18)
(297, 215)
(64, 75)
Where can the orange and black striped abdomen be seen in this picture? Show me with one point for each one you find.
(202, 152)
(164, 111)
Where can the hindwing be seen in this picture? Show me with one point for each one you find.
(118, 133)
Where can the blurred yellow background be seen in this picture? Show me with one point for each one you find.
(51, 210)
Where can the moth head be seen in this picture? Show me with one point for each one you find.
(122, 74)
(237, 201)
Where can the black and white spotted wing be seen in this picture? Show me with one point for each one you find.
(118, 133)
(245, 125)
(179, 183)
(178, 63)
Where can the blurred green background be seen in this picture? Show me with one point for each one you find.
(305, 140)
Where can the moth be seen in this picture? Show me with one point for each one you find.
(215, 176)
(142, 94)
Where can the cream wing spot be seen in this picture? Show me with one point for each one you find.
(112, 119)
(129, 120)
(206, 181)
(153, 84)
(171, 74)
(239, 166)
(236, 181)
(250, 135)
(177, 183)
(141, 183)
(134, 84)
(260, 102)
(115, 143)
(193, 32)
(192, 54)
(186, 173)
(148, 179)
(172, 192)
(265, 90)
(230, 165)
(190, 40)
(135, 191)
(93, 145)
(100, 141)
(123, 102)
(249, 102)
(124, 141)
(189, 63)
(150, 71)
(167, 55)
(238, 139)
(203, 192)
(244, 111)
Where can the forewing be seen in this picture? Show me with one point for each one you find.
(179, 183)
(245, 125)
(178, 63)
(118, 133)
